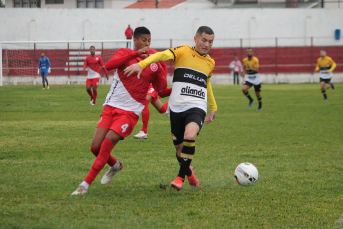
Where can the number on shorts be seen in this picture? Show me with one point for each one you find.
(124, 127)
(151, 90)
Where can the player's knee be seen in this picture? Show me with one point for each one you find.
(99, 164)
(95, 151)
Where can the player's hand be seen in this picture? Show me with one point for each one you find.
(132, 69)
(49, 70)
(107, 77)
(38, 72)
(248, 66)
(242, 74)
(211, 117)
(84, 69)
(143, 52)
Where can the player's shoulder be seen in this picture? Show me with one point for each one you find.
(180, 48)
(255, 58)
(245, 59)
(209, 58)
(329, 58)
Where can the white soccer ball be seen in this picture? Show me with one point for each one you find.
(231, 66)
(246, 174)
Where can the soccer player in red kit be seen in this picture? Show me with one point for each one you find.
(93, 62)
(123, 105)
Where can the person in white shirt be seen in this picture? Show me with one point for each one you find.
(237, 68)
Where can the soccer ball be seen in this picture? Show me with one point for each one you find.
(246, 174)
(231, 66)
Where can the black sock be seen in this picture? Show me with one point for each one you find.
(324, 94)
(259, 102)
(47, 82)
(248, 95)
(187, 154)
(179, 159)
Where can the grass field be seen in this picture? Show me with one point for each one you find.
(296, 143)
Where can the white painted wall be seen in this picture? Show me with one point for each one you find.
(256, 24)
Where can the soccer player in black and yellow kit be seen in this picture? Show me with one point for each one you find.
(191, 90)
(325, 65)
(250, 66)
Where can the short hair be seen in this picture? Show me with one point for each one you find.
(249, 48)
(204, 29)
(42, 53)
(140, 31)
(92, 47)
(323, 50)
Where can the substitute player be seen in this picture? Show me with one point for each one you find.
(45, 67)
(250, 65)
(326, 66)
(191, 90)
(123, 105)
(153, 98)
(93, 62)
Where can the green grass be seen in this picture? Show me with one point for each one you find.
(296, 143)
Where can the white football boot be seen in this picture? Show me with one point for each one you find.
(80, 190)
(107, 178)
(141, 135)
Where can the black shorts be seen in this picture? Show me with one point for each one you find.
(324, 80)
(257, 87)
(179, 121)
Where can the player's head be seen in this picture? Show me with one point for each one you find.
(128, 26)
(141, 37)
(92, 50)
(249, 52)
(322, 53)
(236, 57)
(203, 39)
(42, 54)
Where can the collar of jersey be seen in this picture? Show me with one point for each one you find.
(204, 55)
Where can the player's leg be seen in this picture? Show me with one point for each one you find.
(46, 80)
(43, 81)
(143, 134)
(95, 84)
(258, 95)
(322, 88)
(89, 89)
(193, 121)
(245, 89)
(328, 84)
(161, 108)
(235, 77)
(99, 137)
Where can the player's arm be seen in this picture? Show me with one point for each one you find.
(49, 70)
(157, 57)
(120, 58)
(103, 66)
(244, 70)
(85, 64)
(333, 65)
(317, 67)
(211, 101)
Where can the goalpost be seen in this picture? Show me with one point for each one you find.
(20, 58)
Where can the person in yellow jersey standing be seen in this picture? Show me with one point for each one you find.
(191, 90)
(325, 65)
(250, 65)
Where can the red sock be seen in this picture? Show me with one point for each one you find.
(163, 108)
(111, 160)
(100, 160)
(95, 93)
(145, 117)
(90, 93)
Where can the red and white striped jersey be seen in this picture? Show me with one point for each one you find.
(94, 64)
(129, 93)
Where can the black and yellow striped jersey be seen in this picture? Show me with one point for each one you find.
(326, 63)
(191, 81)
(252, 63)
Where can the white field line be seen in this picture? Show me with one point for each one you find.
(339, 223)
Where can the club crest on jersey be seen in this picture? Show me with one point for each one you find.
(97, 58)
(153, 67)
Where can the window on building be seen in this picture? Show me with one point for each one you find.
(27, 3)
(90, 3)
(54, 1)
